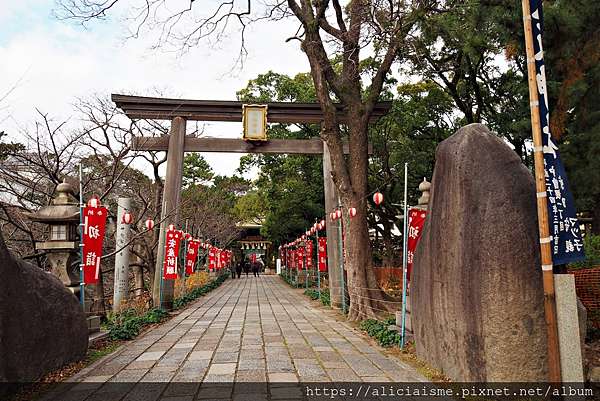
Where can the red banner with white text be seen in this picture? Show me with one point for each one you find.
(416, 219)
(94, 227)
(309, 255)
(322, 254)
(171, 262)
(301, 264)
(212, 262)
(191, 257)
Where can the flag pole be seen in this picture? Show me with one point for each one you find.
(404, 257)
(554, 373)
(81, 264)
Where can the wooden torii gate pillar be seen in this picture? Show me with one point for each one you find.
(176, 144)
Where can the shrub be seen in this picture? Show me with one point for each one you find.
(127, 324)
(379, 331)
(199, 291)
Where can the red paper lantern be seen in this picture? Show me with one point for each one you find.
(149, 224)
(332, 215)
(188, 236)
(127, 217)
(378, 198)
(94, 201)
(338, 213)
(319, 228)
(352, 211)
(322, 224)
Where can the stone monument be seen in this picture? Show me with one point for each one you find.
(476, 292)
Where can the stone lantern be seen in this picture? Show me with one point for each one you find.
(62, 243)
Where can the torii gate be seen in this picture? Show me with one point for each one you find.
(179, 111)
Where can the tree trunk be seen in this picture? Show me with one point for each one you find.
(138, 276)
(365, 295)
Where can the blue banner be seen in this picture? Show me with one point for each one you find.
(566, 243)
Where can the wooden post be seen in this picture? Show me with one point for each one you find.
(170, 210)
(333, 237)
(554, 374)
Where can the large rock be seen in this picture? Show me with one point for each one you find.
(42, 325)
(477, 295)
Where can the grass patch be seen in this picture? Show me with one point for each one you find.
(323, 296)
(127, 324)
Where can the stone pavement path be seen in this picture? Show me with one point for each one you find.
(247, 330)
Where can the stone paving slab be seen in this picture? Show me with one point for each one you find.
(246, 331)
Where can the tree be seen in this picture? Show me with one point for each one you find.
(421, 117)
(196, 170)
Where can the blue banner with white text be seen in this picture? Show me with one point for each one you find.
(566, 243)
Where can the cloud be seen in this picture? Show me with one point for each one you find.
(60, 62)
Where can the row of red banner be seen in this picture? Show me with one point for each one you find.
(94, 230)
(217, 258)
(300, 257)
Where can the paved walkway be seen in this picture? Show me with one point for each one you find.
(247, 330)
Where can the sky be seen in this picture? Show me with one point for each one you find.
(51, 63)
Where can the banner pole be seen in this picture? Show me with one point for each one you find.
(81, 275)
(404, 257)
(317, 264)
(341, 250)
(554, 374)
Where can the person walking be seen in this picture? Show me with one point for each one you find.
(255, 268)
(246, 267)
(232, 268)
(239, 267)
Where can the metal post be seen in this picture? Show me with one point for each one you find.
(121, 277)
(81, 275)
(306, 265)
(404, 256)
(341, 261)
(317, 261)
(185, 249)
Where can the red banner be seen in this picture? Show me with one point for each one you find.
(323, 254)
(416, 219)
(309, 255)
(301, 264)
(191, 256)
(94, 227)
(172, 242)
(212, 263)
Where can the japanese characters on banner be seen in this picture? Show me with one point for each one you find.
(322, 254)
(191, 257)
(301, 264)
(564, 227)
(94, 227)
(172, 243)
(212, 262)
(309, 255)
(416, 219)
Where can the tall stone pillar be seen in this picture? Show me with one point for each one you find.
(333, 237)
(170, 210)
(121, 286)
